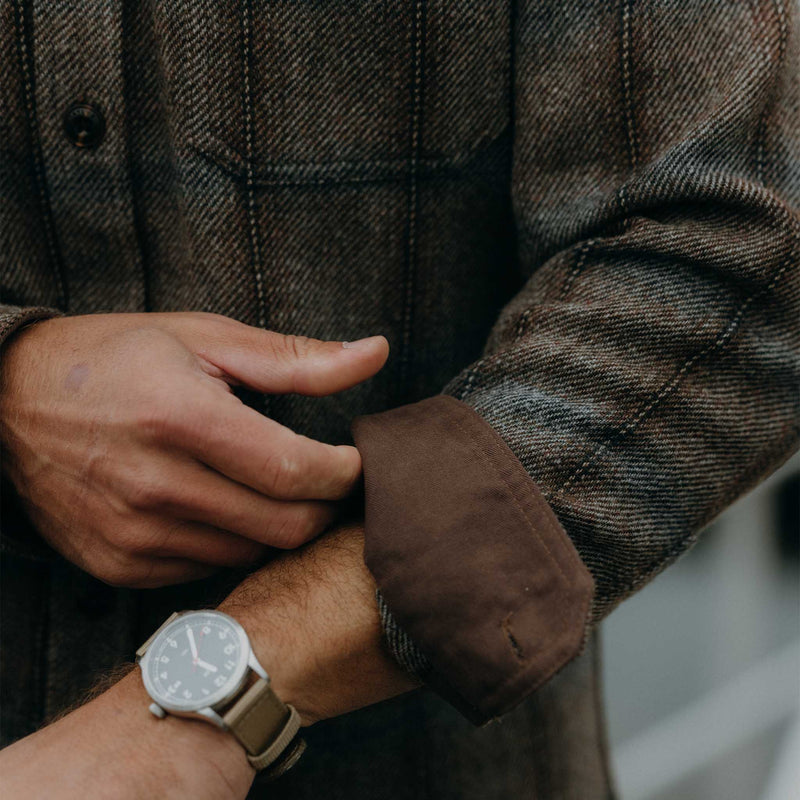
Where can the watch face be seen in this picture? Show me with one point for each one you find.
(197, 660)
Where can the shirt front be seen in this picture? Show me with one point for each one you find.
(577, 225)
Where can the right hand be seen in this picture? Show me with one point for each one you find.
(136, 461)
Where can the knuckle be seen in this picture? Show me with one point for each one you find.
(97, 467)
(290, 530)
(169, 421)
(129, 540)
(148, 494)
(211, 317)
(169, 412)
(210, 328)
(297, 347)
(281, 474)
(154, 417)
(117, 571)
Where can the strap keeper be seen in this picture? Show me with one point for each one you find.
(282, 741)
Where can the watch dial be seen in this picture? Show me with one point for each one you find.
(196, 661)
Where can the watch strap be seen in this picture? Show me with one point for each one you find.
(263, 724)
(274, 751)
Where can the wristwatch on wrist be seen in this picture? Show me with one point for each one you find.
(200, 664)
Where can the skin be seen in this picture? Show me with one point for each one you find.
(161, 476)
(313, 622)
(136, 461)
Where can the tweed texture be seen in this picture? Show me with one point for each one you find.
(648, 373)
(578, 217)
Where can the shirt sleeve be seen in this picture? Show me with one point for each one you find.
(644, 377)
(15, 531)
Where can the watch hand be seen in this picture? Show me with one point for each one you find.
(190, 635)
(206, 665)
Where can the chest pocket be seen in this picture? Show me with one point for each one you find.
(300, 89)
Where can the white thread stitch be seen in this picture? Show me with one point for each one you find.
(627, 83)
(255, 241)
(673, 383)
(30, 106)
(416, 115)
(580, 262)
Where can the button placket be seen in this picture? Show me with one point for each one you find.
(79, 102)
(79, 95)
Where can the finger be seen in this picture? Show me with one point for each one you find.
(205, 496)
(275, 363)
(143, 572)
(204, 544)
(170, 571)
(266, 456)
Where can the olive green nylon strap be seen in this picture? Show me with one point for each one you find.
(263, 724)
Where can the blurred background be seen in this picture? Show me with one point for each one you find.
(702, 667)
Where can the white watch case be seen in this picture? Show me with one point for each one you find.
(204, 708)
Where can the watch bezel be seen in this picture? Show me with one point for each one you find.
(215, 699)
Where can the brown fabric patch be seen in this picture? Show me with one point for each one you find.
(468, 555)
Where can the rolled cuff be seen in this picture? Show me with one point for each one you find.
(12, 318)
(468, 556)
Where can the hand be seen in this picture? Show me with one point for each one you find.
(312, 618)
(136, 461)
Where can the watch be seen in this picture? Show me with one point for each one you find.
(200, 664)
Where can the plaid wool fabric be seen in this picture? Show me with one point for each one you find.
(580, 218)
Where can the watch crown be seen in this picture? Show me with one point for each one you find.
(157, 711)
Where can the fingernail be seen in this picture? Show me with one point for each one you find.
(360, 343)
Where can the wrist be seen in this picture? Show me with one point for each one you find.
(175, 756)
(114, 741)
(283, 654)
(313, 622)
(20, 350)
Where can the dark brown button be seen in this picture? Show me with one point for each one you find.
(85, 125)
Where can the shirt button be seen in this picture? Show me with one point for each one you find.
(84, 125)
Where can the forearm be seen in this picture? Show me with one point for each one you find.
(313, 622)
(644, 375)
(113, 747)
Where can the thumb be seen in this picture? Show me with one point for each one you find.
(281, 364)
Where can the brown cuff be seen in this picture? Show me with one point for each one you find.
(468, 555)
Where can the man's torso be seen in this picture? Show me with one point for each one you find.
(334, 170)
